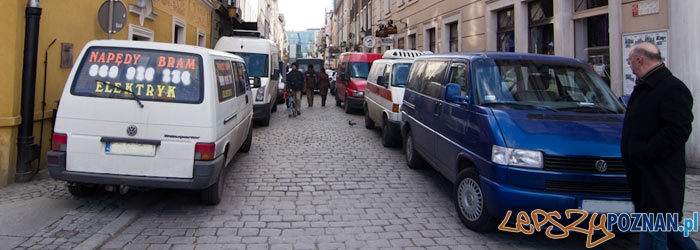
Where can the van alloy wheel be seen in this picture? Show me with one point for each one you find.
(387, 140)
(471, 200)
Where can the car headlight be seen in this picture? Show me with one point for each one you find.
(358, 93)
(516, 157)
(260, 95)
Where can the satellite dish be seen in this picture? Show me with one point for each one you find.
(118, 16)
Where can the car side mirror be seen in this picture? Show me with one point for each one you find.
(382, 81)
(453, 94)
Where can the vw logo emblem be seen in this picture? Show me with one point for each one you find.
(131, 130)
(601, 166)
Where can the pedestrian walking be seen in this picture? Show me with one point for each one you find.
(310, 84)
(295, 82)
(323, 84)
(656, 127)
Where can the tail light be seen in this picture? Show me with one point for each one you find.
(59, 142)
(204, 151)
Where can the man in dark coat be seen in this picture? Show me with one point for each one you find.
(656, 127)
(295, 82)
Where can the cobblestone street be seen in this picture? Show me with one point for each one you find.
(310, 182)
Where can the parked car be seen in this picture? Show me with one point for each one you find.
(151, 115)
(353, 68)
(516, 132)
(384, 93)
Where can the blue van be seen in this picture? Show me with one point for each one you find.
(516, 132)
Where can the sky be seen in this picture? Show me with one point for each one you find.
(306, 14)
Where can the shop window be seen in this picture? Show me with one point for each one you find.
(589, 4)
(412, 41)
(592, 43)
(541, 27)
(506, 31)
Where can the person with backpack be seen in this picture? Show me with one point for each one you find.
(310, 84)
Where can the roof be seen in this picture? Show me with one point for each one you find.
(501, 55)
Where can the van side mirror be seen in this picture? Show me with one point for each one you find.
(382, 81)
(453, 94)
(343, 77)
(624, 99)
(254, 82)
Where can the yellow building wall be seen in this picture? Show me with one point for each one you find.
(73, 23)
(11, 42)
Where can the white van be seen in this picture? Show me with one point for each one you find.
(153, 115)
(262, 57)
(386, 83)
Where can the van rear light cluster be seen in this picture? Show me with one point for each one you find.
(59, 142)
(204, 151)
(395, 108)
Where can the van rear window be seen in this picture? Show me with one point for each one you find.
(151, 75)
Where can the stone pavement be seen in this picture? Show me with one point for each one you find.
(310, 182)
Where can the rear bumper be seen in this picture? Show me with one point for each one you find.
(204, 174)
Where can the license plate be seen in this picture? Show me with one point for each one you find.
(606, 206)
(137, 149)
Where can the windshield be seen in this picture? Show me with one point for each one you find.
(400, 74)
(256, 63)
(303, 64)
(359, 69)
(553, 85)
(144, 75)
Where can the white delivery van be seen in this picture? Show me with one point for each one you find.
(262, 57)
(386, 83)
(153, 115)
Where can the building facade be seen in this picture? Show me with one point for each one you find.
(600, 32)
(71, 26)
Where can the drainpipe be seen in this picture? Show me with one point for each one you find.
(27, 150)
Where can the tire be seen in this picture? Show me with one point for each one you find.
(212, 194)
(274, 106)
(81, 190)
(346, 105)
(387, 140)
(369, 124)
(413, 159)
(470, 203)
(337, 101)
(247, 143)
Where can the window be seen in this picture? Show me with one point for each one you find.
(400, 74)
(150, 75)
(387, 7)
(412, 42)
(506, 31)
(225, 80)
(138, 33)
(589, 4)
(459, 74)
(430, 39)
(541, 27)
(434, 77)
(242, 74)
(454, 37)
(179, 32)
(415, 78)
(401, 43)
(201, 38)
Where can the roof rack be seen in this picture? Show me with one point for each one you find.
(402, 53)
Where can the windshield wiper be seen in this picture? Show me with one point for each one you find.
(520, 104)
(588, 109)
(138, 100)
